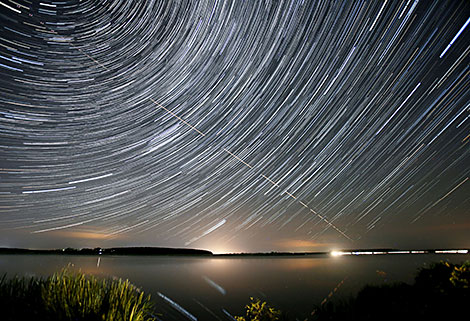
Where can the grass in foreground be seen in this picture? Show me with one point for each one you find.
(440, 292)
(73, 296)
(260, 311)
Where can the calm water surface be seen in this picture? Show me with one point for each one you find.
(205, 287)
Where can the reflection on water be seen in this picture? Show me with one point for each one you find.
(205, 287)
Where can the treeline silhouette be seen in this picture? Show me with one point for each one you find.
(110, 251)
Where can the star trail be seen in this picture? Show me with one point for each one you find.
(242, 125)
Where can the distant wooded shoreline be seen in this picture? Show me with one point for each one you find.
(156, 251)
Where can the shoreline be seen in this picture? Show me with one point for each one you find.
(160, 251)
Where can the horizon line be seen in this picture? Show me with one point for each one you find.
(197, 251)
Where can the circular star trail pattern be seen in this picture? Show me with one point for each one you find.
(181, 121)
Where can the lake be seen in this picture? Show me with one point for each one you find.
(210, 288)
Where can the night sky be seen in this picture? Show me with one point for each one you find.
(235, 126)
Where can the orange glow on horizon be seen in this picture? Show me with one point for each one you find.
(88, 235)
(295, 245)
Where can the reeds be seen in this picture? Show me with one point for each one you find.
(74, 296)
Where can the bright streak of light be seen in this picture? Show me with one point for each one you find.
(341, 253)
(177, 307)
(59, 227)
(212, 229)
(91, 179)
(338, 253)
(11, 8)
(230, 153)
(229, 315)
(439, 200)
(215, 285)
(179, 118)
(48, 190)
(455, 38)
(452, 252)
(377, 17)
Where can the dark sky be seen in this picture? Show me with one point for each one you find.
(235, 126)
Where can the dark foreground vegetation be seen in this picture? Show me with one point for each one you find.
(72, 296)
(439, 292)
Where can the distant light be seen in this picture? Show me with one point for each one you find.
(452, 252)
(339, 253)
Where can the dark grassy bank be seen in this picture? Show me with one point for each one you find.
(439, 292)
(72, 296)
